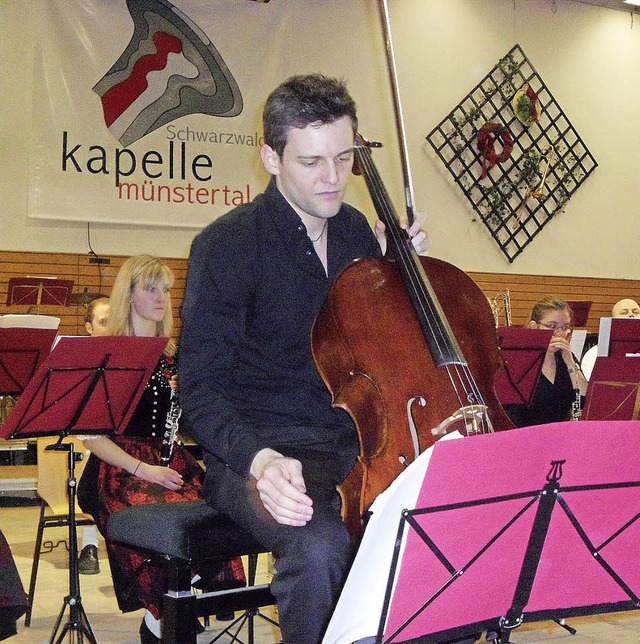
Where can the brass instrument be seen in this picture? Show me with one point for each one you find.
(7, 403)
(500, 304)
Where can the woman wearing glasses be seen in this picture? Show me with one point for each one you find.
(561, 384)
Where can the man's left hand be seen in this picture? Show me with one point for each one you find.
(419, 237)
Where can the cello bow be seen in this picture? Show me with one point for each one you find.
(407, 345)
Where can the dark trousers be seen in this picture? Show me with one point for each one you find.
(311, 561)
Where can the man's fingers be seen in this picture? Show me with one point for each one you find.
(281, 489)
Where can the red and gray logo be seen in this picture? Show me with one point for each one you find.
(169, 69)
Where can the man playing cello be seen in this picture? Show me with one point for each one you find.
(275, 448)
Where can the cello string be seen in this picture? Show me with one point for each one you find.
(459, 375)
(475, 398)
(401, 243)
(408, 257)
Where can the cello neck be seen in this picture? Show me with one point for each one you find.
(442, 343)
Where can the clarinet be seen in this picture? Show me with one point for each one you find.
(576, 406)
(170, 427)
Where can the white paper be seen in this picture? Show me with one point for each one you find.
(357, 614)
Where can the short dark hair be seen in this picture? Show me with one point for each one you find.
(302, 100)
(88, 317)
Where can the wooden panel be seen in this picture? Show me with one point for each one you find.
(22, 264)
(92, 278)
(526, 290)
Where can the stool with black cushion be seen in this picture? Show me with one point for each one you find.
(181, 534)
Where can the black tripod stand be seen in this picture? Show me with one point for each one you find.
(78, 620)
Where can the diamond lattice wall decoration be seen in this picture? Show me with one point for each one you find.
(513, 152)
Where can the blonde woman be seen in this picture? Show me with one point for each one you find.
(125, 470)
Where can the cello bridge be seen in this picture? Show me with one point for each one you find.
(474, 418)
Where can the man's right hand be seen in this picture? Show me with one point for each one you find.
(281, 487)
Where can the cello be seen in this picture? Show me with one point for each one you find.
(407, 345)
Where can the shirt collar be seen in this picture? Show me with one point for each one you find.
(287, 221)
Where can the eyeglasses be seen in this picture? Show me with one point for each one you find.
(555, 327)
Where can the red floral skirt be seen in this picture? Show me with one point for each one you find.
(138, 582)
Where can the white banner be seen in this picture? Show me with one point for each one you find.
(146, 112)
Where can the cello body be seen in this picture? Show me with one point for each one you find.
(371, 351)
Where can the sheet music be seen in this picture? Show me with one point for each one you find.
(604, 337)
(578, 338)
(17, 321)
(59, 337)
(359, 608)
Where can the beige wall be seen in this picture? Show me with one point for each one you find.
(588, 57)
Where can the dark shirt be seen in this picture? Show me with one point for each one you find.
(551, 402)
(149, 418)
(254, 288)
(147, 421)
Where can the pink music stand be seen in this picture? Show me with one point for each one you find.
(35, 291)
(624, 337)
(22, 350)
(550, 530)
(614, 389)
(84, 386)
(522, 352)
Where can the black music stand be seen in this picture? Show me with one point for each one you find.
(35, 291)
(85, 386)
(522, 352)
(550, 530)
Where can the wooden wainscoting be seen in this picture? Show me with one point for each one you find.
(526, 290)
(90, 280)
(93, 278)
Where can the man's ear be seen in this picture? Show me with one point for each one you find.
(270, 159)
(531, 324)
(89, 327)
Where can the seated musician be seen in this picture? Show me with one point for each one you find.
(275, 448)
(95, 322)
(561, 384)
(625, 308)
(126, 469)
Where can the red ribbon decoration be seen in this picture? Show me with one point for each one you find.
(488, 134)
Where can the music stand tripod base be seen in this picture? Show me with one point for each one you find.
(78, 620)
